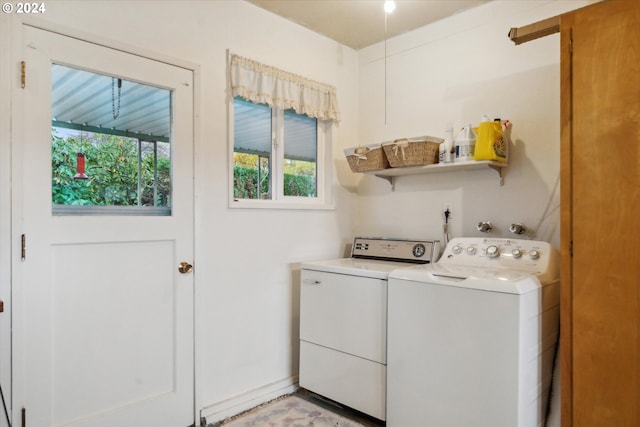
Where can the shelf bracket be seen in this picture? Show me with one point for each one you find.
(500, 173)
(390, 180)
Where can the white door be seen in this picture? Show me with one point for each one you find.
(104, 319)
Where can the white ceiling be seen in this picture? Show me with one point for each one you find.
(361, 23)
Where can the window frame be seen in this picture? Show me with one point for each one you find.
(154, 95)
(324, 193)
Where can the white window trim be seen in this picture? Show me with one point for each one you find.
(324, 190)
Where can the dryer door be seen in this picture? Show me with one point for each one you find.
(346, 313)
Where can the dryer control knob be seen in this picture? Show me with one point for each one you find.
(493, 251)
(517, 253)
(471, 250)
(534, 254)
(456, 249)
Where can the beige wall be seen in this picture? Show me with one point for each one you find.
(454, 71)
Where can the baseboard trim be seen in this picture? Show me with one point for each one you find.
(219, 411)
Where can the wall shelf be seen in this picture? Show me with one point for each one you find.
(391, 173)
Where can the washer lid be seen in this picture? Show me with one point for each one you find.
(356, 267)
(486, 279)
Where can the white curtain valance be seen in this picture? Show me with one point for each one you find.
(263, 84)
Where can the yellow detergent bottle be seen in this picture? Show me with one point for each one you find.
(490, 143)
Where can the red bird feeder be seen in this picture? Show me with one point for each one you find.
(80, 168)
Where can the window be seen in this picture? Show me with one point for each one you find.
(110, 145)
(281, 138)
(262, 148)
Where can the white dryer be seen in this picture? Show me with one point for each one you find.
(343, 320)
(472, 338)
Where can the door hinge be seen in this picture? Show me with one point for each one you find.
(24, 417)
(571, 41)
(23, 74)
(23, 247)
(571, 46)
(571, 249)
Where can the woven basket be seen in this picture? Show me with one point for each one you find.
(417, 151)
(366, 158)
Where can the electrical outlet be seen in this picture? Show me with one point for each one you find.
(447, 207)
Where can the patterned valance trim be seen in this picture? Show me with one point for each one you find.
(263, 84)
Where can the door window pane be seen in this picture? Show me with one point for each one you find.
(110, 145)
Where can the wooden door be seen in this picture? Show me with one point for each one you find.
(104, 319)
(600, 215)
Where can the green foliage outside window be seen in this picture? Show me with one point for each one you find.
(299, 177)
(111, 165)
(245, 184)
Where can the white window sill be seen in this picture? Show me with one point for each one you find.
(280, 204)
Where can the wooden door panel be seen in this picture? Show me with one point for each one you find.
(604, 227)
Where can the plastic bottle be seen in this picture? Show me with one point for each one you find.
(447, 148)
(465, 144)
(490, 143)
(484, 140)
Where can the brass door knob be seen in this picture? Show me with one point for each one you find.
(185, 267)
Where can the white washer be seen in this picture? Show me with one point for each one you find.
(343, 321)
(472, 338)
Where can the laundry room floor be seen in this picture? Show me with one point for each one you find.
(302, 408)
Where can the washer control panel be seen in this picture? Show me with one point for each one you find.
(532, 256)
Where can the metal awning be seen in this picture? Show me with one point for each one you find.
(252, 132)
(87, 101)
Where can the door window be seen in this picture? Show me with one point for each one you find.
(110, 145)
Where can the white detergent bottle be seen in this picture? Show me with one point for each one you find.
(465, 144)
(447, 148)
